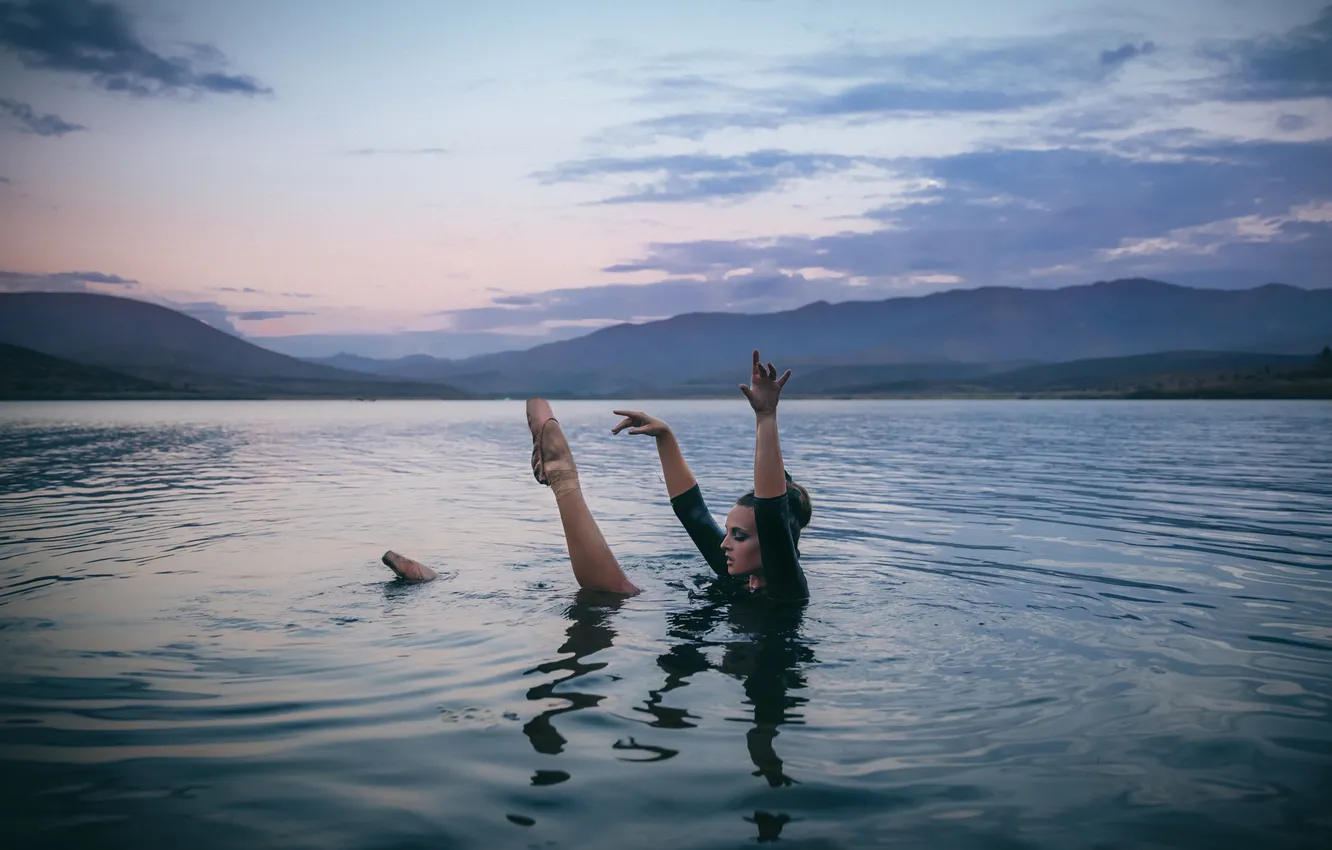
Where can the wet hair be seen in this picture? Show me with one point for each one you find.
(797, 500)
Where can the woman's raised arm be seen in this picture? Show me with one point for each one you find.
(679, 478)
(686, 499)
(763, 392)
(778, 530)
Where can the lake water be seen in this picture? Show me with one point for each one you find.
(1033, 624)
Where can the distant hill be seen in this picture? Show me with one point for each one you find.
(1180, 374)
(959, 333)
(443, 345)
(31, 375)
(159, 345)
(414, 367)
(1117, 372)
(1120, 337)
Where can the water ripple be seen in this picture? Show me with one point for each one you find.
(1035, 624)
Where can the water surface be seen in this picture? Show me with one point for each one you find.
(1034, 624)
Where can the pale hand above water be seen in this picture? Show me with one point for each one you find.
(639, 422)
(765, 388)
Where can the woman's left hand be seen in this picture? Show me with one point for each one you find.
(765, 388)
(639, 422)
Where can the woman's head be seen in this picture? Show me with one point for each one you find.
(741, 544)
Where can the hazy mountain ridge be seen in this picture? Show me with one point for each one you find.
(438, 345)
(28, 374)
(1164, 374)
(983, 341)
(957, 333)
(155, 344)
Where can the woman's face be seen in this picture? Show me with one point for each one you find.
(741, 543)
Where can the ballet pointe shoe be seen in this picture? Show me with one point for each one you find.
(552, 459)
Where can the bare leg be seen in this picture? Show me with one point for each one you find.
(594, 565)
(408, 569)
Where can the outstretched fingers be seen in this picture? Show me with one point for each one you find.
(761, 371)
(631, 418)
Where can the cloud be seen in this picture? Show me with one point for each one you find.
(1215, 236)
(97, 39)
(866, 102)
(446, 344)
(217, 315)
(1063, 215)
(208, 312)
(61, 282)
(250, 290)
(597, 306)
(1289, 123)
(42, 125)
(221, 316)
(876, 82)
(695, 125)
(1123, 53)
(5, 180)
(398, 151)
(693, 177)
(889, 98)
(676, 87)
(1180, 207)
(1297, 64)
(999, 64)
(262, 315)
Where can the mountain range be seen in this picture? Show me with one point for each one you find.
(1120, 337)
(945, 336)
(176, 355)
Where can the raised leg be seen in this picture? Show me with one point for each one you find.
(594, 565)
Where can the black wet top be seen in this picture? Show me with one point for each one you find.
(781, 561)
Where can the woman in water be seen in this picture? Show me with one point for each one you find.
(762, 529)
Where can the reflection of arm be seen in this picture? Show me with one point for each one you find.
(773, 687)
(703, 529)
(764, 756)
(679, 478)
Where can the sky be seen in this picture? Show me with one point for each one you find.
(469, 176)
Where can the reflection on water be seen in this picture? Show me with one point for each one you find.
(590, 632)
(1034, 624)
(765, 657)
(765, 654)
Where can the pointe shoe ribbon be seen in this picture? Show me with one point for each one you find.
(552, 460)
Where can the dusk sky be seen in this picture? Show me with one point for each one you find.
(528, 168)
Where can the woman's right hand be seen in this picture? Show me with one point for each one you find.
(765, 388)
(639, 422)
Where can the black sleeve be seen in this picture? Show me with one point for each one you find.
(781, 564)
(702, 528)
